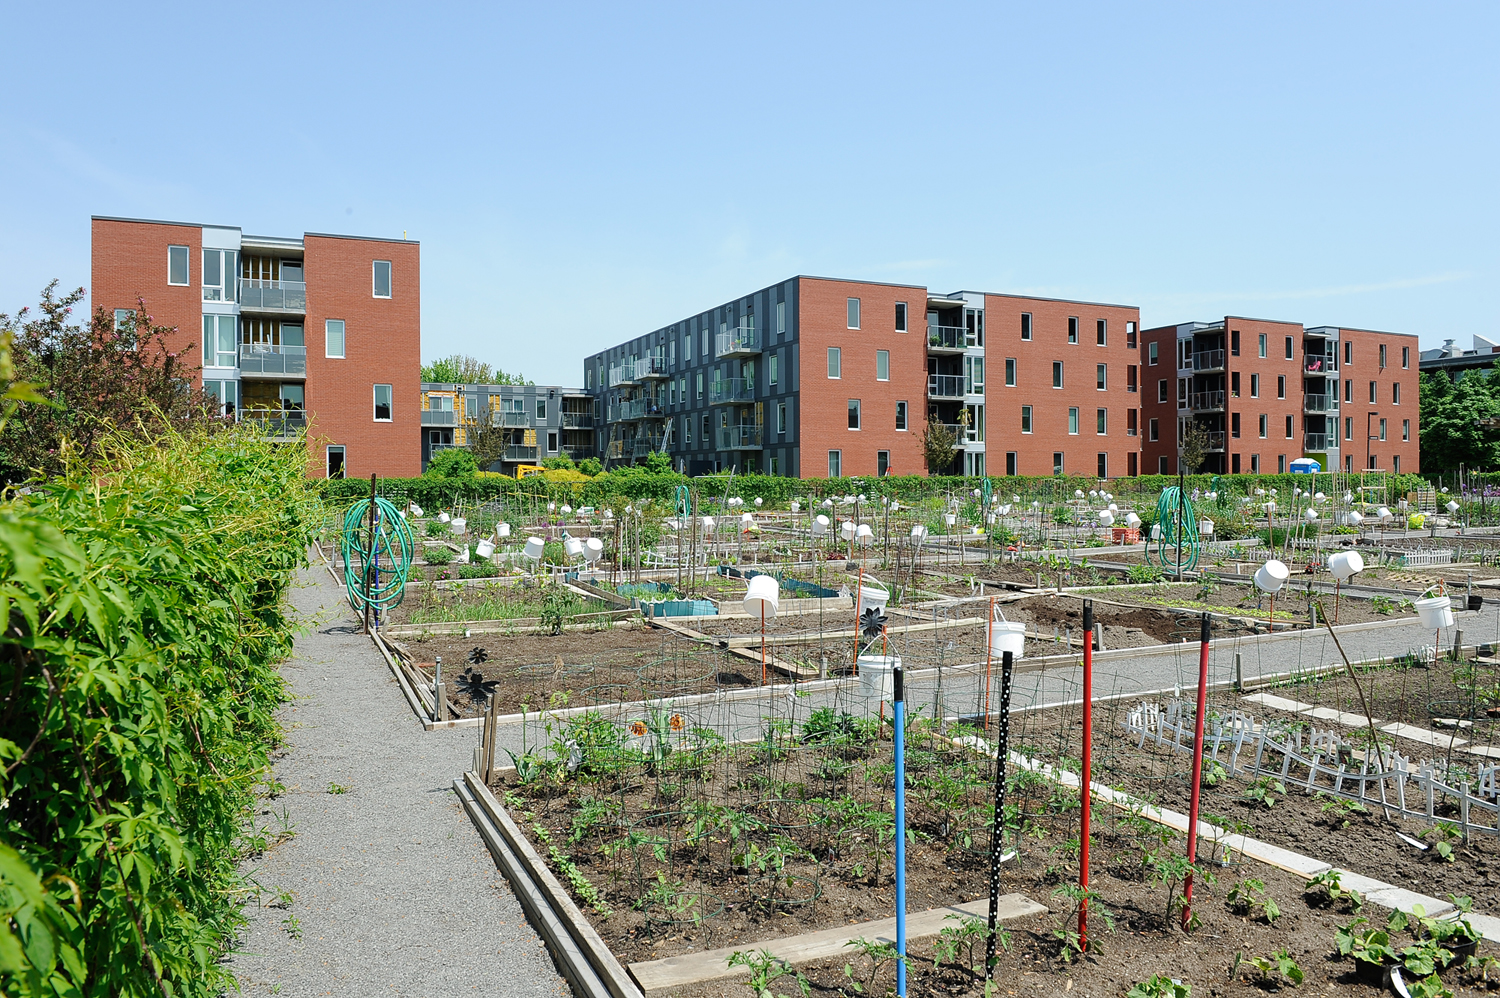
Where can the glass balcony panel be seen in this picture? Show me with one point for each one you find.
(258, 293)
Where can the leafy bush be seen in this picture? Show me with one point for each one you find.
(1145, 573)
(146, 601)
(436, 554)
(452, 462)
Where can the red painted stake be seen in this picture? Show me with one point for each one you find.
(1192, 846)
(1088, 768)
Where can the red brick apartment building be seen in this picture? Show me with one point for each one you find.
(1267, 393)
(321, 332)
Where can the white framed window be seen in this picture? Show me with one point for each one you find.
(220, 344)
(1405, 357)
(853, 313)
(1101, 332)
(1262, 345)
(973, 375)
(1073, 420)
(781, 317)
(773, 369)
(698, 387)
(227, 392)
(1101, 377)
(882, 365)
(335, 468)
(124, 315)
(1382, 430)
(382, 403)
(1025, 325)
(1264, 421)
(1255, 386)
(1155, 429)
(1057, 374)
(780, 417)
(835, 464)
(1281, 386)
(1151, 353)
(541, 409)
(219, 272)
(1010, 372)
(333, 338)
(1161, 390)
(854, 414)
(834, 363)
(882, 463)
(1072, 329)
(901, 317)
(177, 266)
(900, 415)
(1025, 419)
(687, 347)
(381, 274)
(1406, 429)
(1101, 421)
(1396, 393)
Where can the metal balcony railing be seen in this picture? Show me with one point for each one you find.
(740, 436)
(730, 391)
(439, 417)
(271, 358)
(283, 424)
(947, 337)
(1316, 363)
(1215, 440)
(519, 452)
(737, 342)
(579, 453)
(1317, 441)
(945, 386)
(277, 296)
(615, 450)
(957, 429)
(651, 367)
(645, 443)
(624, 374)
(512, 419)
(1320, 403)
(1208, 360)
(1207, 400)
(577, 420)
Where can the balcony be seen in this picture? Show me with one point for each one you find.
(958, 430)
(622, 375)
(1320, 403)
(579, 453)
(731, 391)
(1215, 440)
(650, 367)
(1319, 441)
(1208, 360)
(615, 450)
(945, 386)
(740, 436)
(578, 420)
(741, 341)
(439, 417)
(1314, 363)
(279, 424)
(1207, 401)
(645, 443)
(519, 452)
(512, 419)
(264, 295)
(942, 339)
(273, 359)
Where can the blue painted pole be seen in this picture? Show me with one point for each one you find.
(898, 706)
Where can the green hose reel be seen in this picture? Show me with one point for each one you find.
(376, 558)
(1176, 527)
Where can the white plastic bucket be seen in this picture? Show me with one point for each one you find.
(1345, 565)
(846, 530)
(534, 548)
(1106, 518)
(875, 678)
(918, 533)
(820, 525)
(593, 550)
(1436, 611)
(1206, 528)
(502, 531)
(1354, 519)
(574, 547)
(708, 524)
(567, 510)
(416, 510)
(747, 520)
(1132, 521)
(873, 597)
(950, 518)
(796, 506)
(1007, 636)
(458, 525)
(1271, 576)
(443, 518)
(764, 594)
(865, 535)
(1383, 514)
(484, 549)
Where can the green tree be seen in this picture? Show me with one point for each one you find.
(453, 462)
(590, 466)
(1460, 420)
(937, 447)
(485, 440)
(461, 369)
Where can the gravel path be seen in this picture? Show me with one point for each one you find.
(392, 889)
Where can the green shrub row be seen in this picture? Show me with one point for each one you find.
(146, 607)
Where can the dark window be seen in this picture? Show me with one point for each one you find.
(882, 463)
(1025, 325)
(1057, 462)
(1289, 427)
(1101, 328)
(1072, 329)
(1010, 463)
(1348, 352)
(1130, 336)
(901, 317)
(1234, 342)
(1288, 348)
(1103, 465)
(1281, 386)
(1234, 425)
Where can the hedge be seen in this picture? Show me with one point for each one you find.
(146, 609)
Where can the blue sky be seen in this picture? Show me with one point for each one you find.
(580, 174)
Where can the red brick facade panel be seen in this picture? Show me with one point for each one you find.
(130, 262)
(1051, 425)
(1159, 401)
(1260, 395)
(382, 338)
(1395, 401)
(823, 409)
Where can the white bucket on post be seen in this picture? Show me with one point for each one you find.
(593, 550)
(764, 594)
(443, 518)
(865, 535)
(918, 533)
(846, 530)
(1106, 518)
(1271, 576)
(872, 595)
(1345, 565)
(534, 548)
(502, 531)
(820, 525)
(1006, 636)
(875, 678)
(484, 549)
(574, 547)
(458, 525)
(1435, 611)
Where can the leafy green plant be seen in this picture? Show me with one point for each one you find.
(557, 608)
(1214, 773)
(1249, 897)
(1275, 969)
(1443, 835)
(969, 935)
(877, 953)
(293, 926)
(1143, 574)
(1336, 812)
(1159, 987)
(1383, 605)
(1326, 890)
(437, 554)
(1265, 791)
(338, 788)
(1070, 946)
(766, 969)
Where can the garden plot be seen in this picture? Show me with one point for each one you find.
(540, 604)
(1245, 603)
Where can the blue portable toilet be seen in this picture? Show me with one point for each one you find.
(1306, 466)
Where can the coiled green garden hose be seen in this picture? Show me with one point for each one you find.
(1172, 505)
(375, 563)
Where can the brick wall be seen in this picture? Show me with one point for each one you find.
(1364, 367)
(129, 261)
(1164, 412)
(1049, 406)
(822, 405)
(382, 346)
(1276, 447)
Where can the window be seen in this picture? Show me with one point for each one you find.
(882, 365)
(1161, 390)
(974, 427)
(1025, 419)
(1234, 425)
(1151, 354)
(781, 317)
(1182, 393)
(973, 375)
(1280, 464)
(1405, 357)
(854, 414)
(704, 345)
(1057, 462)
(1264, 421)
(900, 415)
(1262, 345)
(1255, 464)
(1010, 372)
(1011, 463)
(901, 317)
(1372, 393)
(177, 265)
(1396, 463)
(1255, 386)
(1072, 329)
(227, 392)
(333, 337)
(1155, 429)
(1234, 342)
(1100, 381)
(698, 387)
(835, 464)
(1288, 348)
(1130, 336)
(1103, 466)
(853, 313)
(1382, 430)
(1057, 379)
(687, 347)
(1025, 325)
(1161, 464)
(382, 277)
(882, 463)
(833, 362)
(1099, 421)
(552, 443)
(541, 409)
(1382, 356)
(1130, 375)
(1396, 393)
(1100, 332)
(1406, 429)
(382, 403)
(1281, 386)
(1073, 420)
(219, 341)
(773, 371)
(124, 315)
(1289, 431)
(775, 465)
(1348, 427)
(707, 427)
(219, 272)
(1348, 352)
(687, 430)
(1348, 390)
(335, 461)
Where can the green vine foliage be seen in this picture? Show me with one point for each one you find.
(145, 610)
